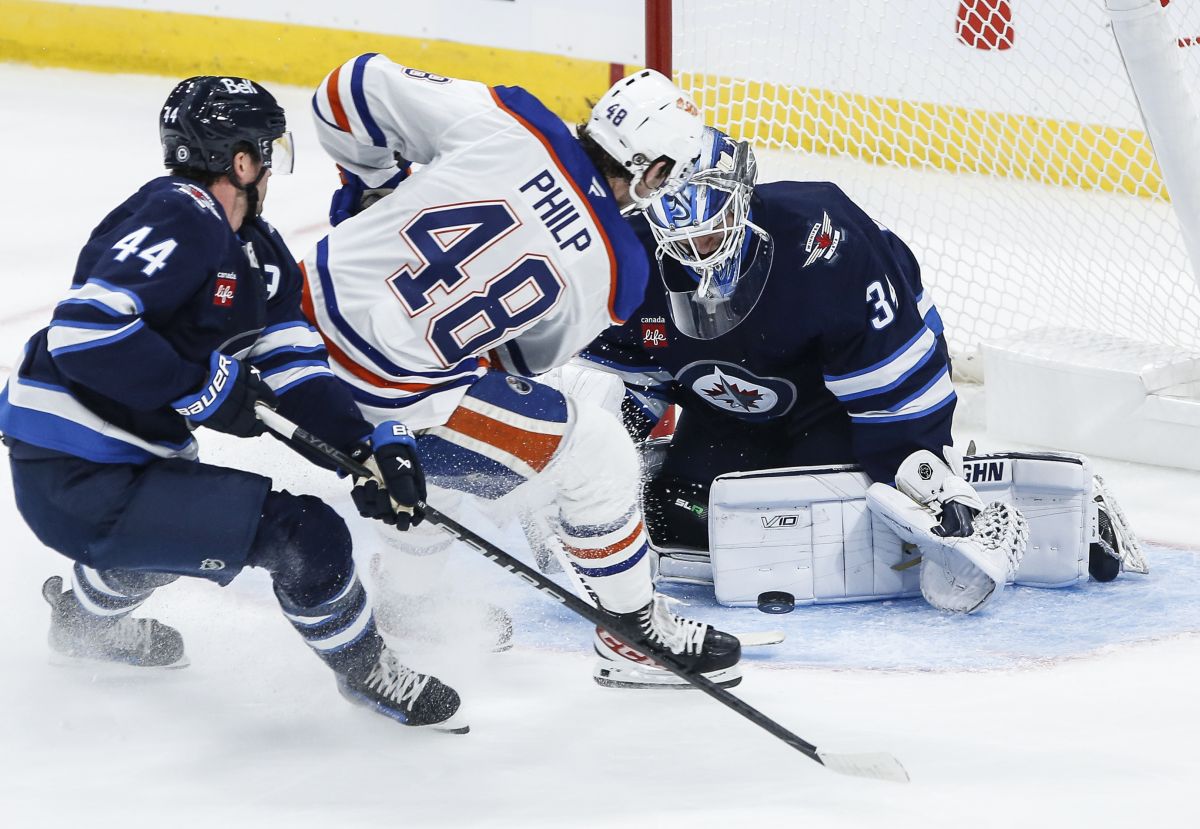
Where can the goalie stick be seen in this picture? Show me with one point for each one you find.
(875, 765)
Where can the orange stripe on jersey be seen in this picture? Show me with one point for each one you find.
(612, 258)
(335, 100)
(531, 447)
(623, 544)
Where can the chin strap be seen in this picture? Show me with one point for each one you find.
(251, 191)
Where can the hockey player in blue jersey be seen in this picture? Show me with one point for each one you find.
(184, 311)
(794, 331)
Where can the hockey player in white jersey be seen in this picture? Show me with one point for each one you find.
(502, 256)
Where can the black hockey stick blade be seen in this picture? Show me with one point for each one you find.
(877, 766)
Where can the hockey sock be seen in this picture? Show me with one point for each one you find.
(341, 630)
(114, 593)
(611, 559)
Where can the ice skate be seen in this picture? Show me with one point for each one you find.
(701, 647)
(76, 634)
(393, 689)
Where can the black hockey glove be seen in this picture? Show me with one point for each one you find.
(354, 196)
(392, 456)
(226, 399)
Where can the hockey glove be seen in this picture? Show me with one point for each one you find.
(225, 401)
(354, 196)
(392, 456)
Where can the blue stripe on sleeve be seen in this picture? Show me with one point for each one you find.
(360, 100)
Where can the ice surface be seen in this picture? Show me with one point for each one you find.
(1060, 708)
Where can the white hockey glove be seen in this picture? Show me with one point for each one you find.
(968, 551)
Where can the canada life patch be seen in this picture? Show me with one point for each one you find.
(225, 289)
(654, 332)
(822, 242)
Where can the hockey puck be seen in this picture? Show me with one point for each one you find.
(776, 602)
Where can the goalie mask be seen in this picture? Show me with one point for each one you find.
(703, 227)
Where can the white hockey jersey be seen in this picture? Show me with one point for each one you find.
(506, 247)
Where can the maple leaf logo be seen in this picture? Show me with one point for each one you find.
(728, 392)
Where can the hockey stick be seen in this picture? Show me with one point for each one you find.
(879, 766)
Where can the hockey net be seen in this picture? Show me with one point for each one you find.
(1000, 139)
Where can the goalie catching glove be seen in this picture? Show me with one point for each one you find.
(968, 551)
(392, 457)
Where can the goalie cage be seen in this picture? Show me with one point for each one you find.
(1005, 143)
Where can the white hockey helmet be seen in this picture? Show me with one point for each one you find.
(643, 118)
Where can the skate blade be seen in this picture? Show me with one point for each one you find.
(62, 660)
(610, 675)
(760, 638)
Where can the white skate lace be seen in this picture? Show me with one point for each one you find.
(675, 633)
(130, 634)
(395, 681)
(1000, 527)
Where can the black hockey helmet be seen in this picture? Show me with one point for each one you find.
(206, 116)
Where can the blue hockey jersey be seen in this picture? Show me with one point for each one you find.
(162, 282)
(843, 325)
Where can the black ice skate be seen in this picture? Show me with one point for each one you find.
(397, 691)
(79, 635)
(702, 648)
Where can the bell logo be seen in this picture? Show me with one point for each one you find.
(238, 86)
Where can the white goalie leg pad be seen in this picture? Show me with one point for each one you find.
(805, 531)
(1054, 491)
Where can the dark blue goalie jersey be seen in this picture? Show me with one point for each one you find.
(843, 328)
(162, 282)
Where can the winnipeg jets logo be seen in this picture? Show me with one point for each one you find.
(735, 395)
(733, 389)
(200, 196)
(822, 242)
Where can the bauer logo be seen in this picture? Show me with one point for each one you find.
(779, 522)
(654, 332)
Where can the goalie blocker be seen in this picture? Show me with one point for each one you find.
(809, 532)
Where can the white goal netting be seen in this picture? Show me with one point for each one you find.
(1000, 138)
